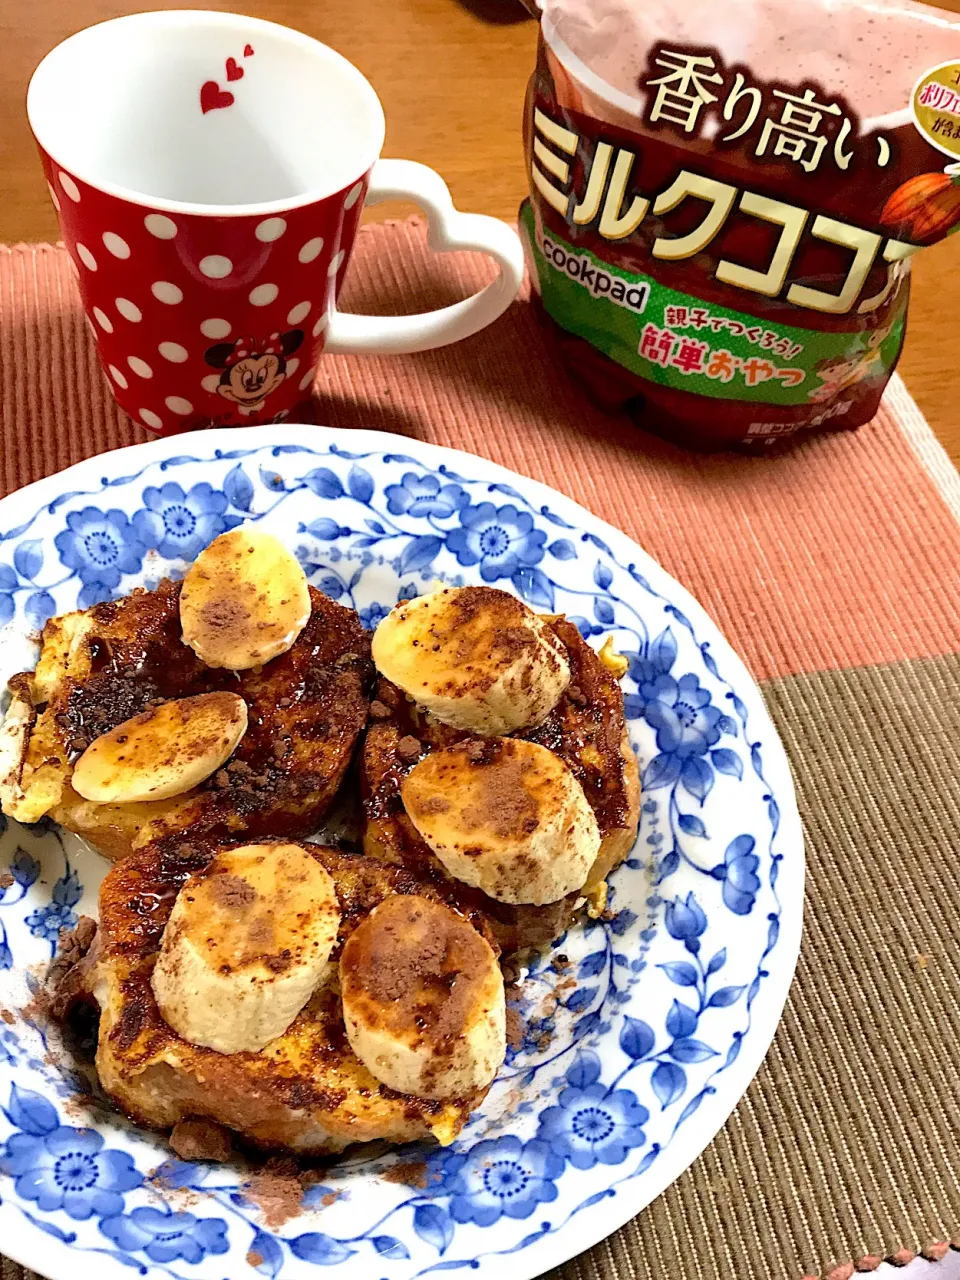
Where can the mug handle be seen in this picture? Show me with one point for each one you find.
(447, 229)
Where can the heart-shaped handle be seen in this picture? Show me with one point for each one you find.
(448, 229)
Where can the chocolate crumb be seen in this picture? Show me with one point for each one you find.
(408, 749)
(6, 880)
(201, 1140)
(379, 710)
(8, 1017)
(413, 1173)
(576, 695)
(475, 751)
(254, 1259)
(515, 1028)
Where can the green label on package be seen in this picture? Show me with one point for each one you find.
(680, 341)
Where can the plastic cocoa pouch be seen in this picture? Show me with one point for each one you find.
(725, 198)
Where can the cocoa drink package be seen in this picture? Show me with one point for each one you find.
(725, 196)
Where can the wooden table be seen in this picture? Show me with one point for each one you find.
(451, 74)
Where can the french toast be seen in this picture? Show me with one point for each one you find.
(305, 1091)
(585, 729)
(102, 666)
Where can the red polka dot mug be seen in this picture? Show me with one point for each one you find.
(209, 171)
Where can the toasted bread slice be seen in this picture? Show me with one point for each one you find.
(586, 729)
(101, 666)
(305, 1091)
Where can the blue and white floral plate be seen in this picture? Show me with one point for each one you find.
(642, 1031)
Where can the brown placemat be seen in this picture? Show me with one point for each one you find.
(834, 570)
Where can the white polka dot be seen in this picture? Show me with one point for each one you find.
(164, 291)
(116, 244)
(307, 379)
(270, 229)
(54, 197)
(210, 382)
(337, 262)
(129, 310)
(352, 194)
(160, 226)
(117, 376)
(177, 404)
(216, 266)
(173, 352)
(311, 249)
(263, 295)
(151, 419)
(215, 328)
(292, 366)
(321, 324)
(140, 366)
(102, 320)
(86, 257)
(69, 186)
(298, 313)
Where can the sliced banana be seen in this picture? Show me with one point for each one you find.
(244, 600)
(506, 816)
(476, 657)
(246, 945)
(163, 752)
(423, 1000)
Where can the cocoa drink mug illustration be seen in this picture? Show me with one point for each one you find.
(209, 172)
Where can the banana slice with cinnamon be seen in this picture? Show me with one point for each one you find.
(163, 752)
(246, 945)
(244, 600)
(506, 816)
(477, 658)
(423, 1000)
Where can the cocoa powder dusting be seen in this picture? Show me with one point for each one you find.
(232, 892)
(224, 616)
(501, 800)
(276, 1192)
(8, 1017)
(201, 1140)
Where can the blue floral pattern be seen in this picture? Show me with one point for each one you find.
(592, 1093)
(179, 524)
(101, 547)
(594, 1125)
(501, 540)
(165, 1236)
(68, 1169)
(500, 1176)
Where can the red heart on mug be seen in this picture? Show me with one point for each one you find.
(212, 97)
(233, 71)
(248, 50)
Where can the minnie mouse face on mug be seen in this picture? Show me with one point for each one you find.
(252, 367)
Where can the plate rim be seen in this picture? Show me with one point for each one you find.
(53, 1258)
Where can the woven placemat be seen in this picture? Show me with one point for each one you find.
(834, 571)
